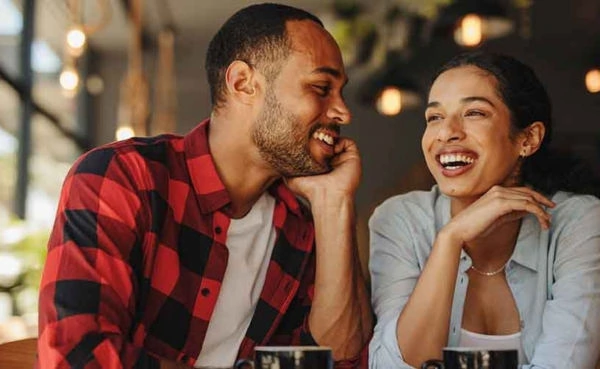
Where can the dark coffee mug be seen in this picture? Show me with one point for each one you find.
(473, 358)
(289, 357)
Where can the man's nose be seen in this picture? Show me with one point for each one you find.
(338, 111)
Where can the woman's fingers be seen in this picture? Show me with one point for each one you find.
(523, 199)
(497, 206)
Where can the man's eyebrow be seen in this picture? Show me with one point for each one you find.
(331, 71)
(433, 104)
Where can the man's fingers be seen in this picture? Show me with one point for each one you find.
(345, 144)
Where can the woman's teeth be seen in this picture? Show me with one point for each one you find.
(323, 137)
(453, 161)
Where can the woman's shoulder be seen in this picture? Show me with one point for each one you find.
(574, 211)
(570, 204)
(418, 205)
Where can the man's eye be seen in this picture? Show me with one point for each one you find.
(323, 90)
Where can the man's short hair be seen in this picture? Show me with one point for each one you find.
(256, 35)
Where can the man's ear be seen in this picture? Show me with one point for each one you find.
(241, 80)
(532, 139)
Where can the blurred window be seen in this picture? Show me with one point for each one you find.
(9, 118)
(11, 24)
(52, 154)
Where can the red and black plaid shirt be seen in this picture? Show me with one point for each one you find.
(138, 253)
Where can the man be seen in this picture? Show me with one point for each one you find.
(195, 249)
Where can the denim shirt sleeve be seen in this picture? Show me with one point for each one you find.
(570, 334)
(394, 272)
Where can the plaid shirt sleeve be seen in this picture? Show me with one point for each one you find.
(293, 329)
(296, 322)
(87, 302)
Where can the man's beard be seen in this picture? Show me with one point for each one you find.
(283, 142)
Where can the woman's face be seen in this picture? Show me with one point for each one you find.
(467, 143)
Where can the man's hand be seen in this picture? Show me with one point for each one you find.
(340, 316)
(343, 179)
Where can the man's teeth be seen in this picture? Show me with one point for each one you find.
(456, 160)
(323, 137)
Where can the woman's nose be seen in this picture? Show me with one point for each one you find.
(451, 130)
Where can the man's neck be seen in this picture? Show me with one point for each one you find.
(239, 165)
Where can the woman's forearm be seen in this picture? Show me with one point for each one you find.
(422, 328)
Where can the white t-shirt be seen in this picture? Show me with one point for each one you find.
(250, 241)
(493, 342)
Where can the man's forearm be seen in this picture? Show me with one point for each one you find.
(340, 315)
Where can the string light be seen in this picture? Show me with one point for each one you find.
(389, 101)
(69, 78)
(592, 80)
(94, 84)
(124, 132)
(76, 40)
(470, 31)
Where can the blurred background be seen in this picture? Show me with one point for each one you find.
(75, 74)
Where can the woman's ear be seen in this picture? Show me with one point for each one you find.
(240, 81)
(532, 139)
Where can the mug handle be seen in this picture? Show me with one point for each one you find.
(244, 364)
(437, 364)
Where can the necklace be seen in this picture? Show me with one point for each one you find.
(488, 274)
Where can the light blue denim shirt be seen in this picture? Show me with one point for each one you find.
(554, 276)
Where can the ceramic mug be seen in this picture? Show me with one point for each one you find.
(289, 357)
(474, 358)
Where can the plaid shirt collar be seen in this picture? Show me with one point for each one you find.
(210, 190)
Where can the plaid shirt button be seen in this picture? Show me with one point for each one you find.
(218, 230)
(205, 292)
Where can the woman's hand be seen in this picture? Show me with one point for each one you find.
(498, 206)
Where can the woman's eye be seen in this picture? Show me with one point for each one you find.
(432, 118)
(475, 113)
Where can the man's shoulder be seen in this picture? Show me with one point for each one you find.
(131, 153)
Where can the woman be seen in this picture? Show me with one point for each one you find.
(501, 252)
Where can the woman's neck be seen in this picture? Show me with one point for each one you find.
(491, 250)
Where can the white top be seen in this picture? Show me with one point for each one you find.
(493, 342)
(250, 241)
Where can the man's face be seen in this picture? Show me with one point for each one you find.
(303, 107)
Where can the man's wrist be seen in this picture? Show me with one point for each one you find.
(328, 201)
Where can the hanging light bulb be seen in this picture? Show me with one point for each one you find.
(389, 101)
(124, 132)
(76, 40)
(592, 80)
(69, 78)
(470, 31)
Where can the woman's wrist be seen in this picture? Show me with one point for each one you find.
(449, 238)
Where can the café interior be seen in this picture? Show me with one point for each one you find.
(75, 74)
